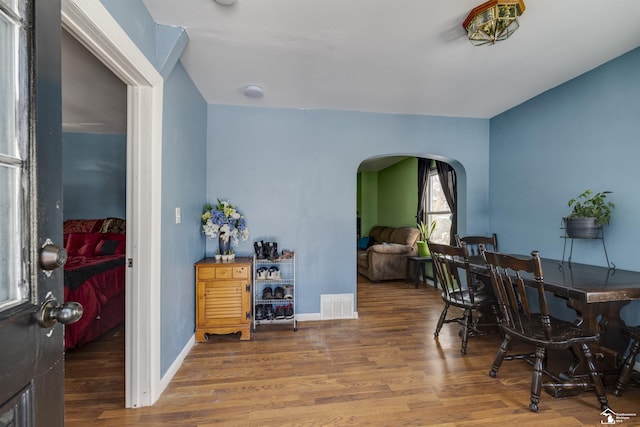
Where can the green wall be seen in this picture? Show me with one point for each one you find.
(398, 194)
(389, 197)
(368, 200)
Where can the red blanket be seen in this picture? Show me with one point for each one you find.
(98, 283)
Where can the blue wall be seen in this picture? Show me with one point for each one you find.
(136, 21)
(293, 174)
(183, 182)
(94, 175)
(581, 134)
(183, 185)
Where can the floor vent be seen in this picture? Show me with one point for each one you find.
(336, 306)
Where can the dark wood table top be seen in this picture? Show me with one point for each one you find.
(587, 283)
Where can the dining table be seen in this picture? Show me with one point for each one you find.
(596, 293)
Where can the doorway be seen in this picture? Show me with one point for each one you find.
(95, 28)
(94, 175)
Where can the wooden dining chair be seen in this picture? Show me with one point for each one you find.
(625, 373)
(473, 243)
(451, 265)
(530, 322)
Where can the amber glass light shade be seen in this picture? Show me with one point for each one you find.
(493, 21)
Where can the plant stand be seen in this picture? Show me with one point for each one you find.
(600, 236)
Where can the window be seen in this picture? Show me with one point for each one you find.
(14, 132)
(437, 209)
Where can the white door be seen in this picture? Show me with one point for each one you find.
(31, 337)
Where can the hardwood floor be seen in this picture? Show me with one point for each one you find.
(383, 369)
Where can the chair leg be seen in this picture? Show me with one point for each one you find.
(443, 315)
(496, 315)
(465, 329)
(536, 378)
(502, 352)
(595, 376)
(627, 367)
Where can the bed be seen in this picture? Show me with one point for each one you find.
(94, 276)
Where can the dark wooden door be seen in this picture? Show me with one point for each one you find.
(31, 341)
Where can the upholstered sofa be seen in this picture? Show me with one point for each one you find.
(385, 258)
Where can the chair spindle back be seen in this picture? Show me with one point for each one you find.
(452, 267)
(474, 242)
(508, 280)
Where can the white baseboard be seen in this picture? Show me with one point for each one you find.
(168, 376)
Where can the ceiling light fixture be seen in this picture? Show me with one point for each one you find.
(225, 2)
(492, 21)
(253, 91)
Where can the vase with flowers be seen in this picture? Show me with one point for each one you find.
(226, 223)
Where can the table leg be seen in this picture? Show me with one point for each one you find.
(604, 317)
(418, 271)
(406, 273)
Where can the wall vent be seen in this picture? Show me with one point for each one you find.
(337, 306)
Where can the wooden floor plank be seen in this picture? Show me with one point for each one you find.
(385, 368)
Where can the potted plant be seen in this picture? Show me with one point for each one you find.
(589, 213)
(425, 234)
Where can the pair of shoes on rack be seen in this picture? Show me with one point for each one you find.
(271, 273)
(264, 312)
(284, 311)
(278, 293)
(266, 249)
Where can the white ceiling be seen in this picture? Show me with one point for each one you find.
(401, 56)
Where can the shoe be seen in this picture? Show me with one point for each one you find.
(268, 312)
(259, 248)
(273, 273)
(261, 273)
(259, 312)
(288, 292)
(288, 312)
(280, 312)
(278, 293)
(267, 293)
(271, 250)
(286, 254)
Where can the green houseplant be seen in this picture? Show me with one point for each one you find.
(426, 230)
(590, 211)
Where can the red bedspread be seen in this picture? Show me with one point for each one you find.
(98, 283)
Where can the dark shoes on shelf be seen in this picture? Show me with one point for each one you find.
(266, 249)
(266, 312)
(278, 293)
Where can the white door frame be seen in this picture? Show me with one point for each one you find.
(92, 25)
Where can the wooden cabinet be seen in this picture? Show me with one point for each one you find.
(223, 297)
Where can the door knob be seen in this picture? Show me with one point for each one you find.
(50, 313)
(52, 256)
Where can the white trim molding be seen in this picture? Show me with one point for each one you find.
(92, 25)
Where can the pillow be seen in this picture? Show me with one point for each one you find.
(110, 247)
(82, 244)
(363, 243)
(114, 225)
(111, 244)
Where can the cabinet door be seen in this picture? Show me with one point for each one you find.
(223, 302)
